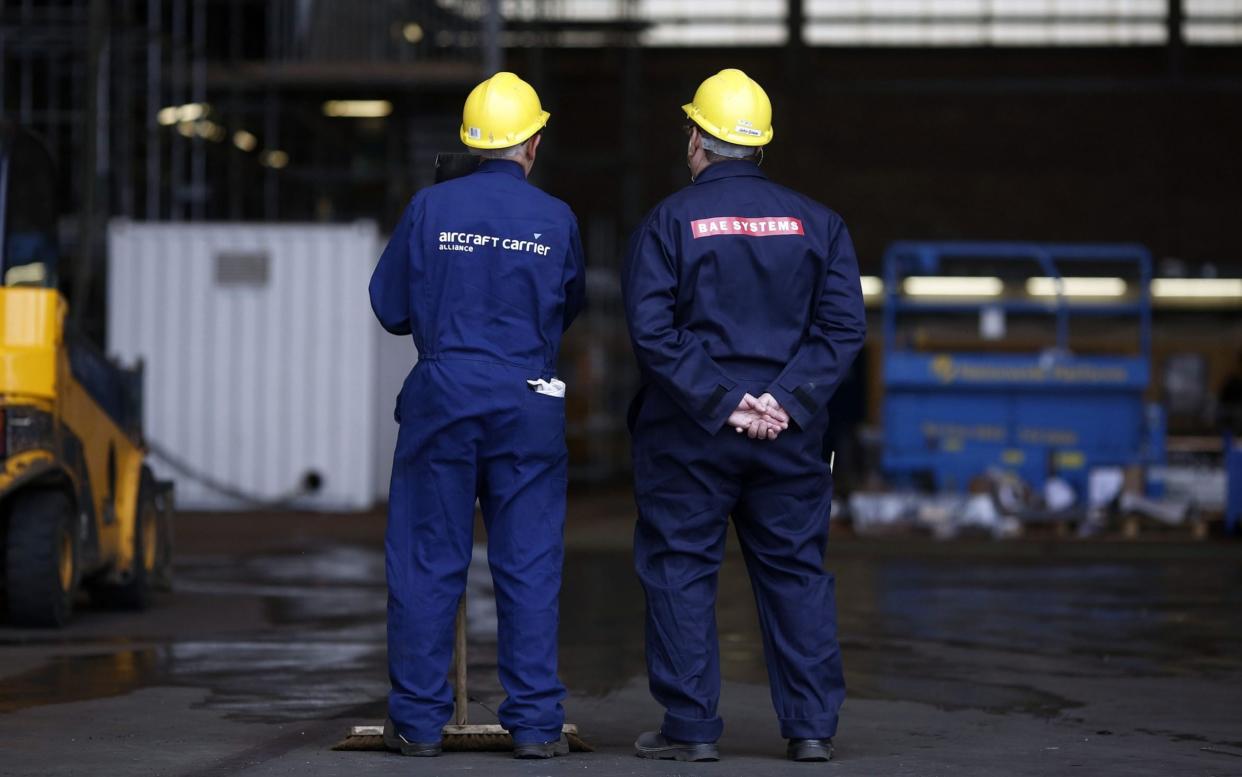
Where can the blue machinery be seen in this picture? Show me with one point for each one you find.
(951, 416)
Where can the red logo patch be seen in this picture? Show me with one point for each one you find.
(764, 226)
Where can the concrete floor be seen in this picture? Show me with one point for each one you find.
(1028, 658)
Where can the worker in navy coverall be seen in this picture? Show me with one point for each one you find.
(745, 311)
(486, 272)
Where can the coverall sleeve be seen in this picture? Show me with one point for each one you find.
(390, 283)
(834, 337)
(674, 359)
(575, 277)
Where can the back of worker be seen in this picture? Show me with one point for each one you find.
(745, 310)
(485, 272)
(489, 279)
(752, 257)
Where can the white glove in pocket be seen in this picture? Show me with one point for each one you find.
(549, 388)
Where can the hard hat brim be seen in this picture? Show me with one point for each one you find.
(507, 140)
(729, 136)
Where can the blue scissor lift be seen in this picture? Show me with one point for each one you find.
(950, 416)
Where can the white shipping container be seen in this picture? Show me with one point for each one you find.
(260, 353)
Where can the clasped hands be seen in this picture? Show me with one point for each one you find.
(760, 418)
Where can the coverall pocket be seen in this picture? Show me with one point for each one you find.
(546, 400)
(636, 407)
(405, 387)
(543, 422)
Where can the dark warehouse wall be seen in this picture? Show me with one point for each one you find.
(1082, 145)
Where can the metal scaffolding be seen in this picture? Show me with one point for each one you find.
(187, 109)
(97, 78)
(200, 109)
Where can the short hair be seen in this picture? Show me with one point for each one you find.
(508, 152)
(726, 150)
(499, 153)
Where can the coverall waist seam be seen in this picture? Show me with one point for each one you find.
(435, 357)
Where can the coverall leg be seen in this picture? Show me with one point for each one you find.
(684, 493)
(779, 492)
(467, 429)
(523, 467)
(427, 545)
(782, 526)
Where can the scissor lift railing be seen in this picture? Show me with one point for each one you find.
(951, 415)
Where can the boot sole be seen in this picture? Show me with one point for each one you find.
(413, 751)
(534, 755)
(539, 751)
(697, 754)
(816, 756)
(397, 745)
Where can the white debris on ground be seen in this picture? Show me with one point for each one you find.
(945, 515)
(1001, 503)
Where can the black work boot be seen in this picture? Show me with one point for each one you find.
(653, 744)
(542, 749)
(809, 750)
(399, 744)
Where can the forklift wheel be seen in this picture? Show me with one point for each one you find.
(42, 558)
(135, 593)
(162, 492)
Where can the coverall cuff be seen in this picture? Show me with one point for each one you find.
(681, 729)
(799, 413)
(818, 727)
(714, 419)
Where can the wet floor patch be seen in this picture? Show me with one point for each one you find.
(317, 647)
(64, 679)
(256, 681)
(1000, 637)
(1181, 736)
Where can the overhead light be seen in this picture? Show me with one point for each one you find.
(412, 32)
(1197, 288)
(1076, 287)
(357, 109)
(185, 129)
(192, 111)
(209, 130)
(245, 140)
(172, 114)
(275, 159)
(872, 286)
(952, 286)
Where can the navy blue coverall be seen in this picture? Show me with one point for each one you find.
(734, 285)
(486, 272)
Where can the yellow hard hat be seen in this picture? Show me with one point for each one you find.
(502, 111)
(733, 107)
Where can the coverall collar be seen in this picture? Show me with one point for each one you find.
(730, 169)
(502, 166)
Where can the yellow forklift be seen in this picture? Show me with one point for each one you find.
(80, 511)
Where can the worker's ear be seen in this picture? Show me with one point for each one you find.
(532, 149)
(694, 148)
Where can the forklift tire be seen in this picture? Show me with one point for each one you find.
(163, 495)
(135, 592)
(164, 557)
(41, 558)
